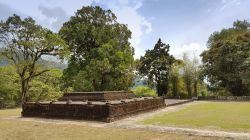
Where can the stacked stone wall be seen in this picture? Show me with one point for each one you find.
(106, 111)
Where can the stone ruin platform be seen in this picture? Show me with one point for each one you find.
(105, 106)
(97, 96)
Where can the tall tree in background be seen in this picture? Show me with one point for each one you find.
(25, 43)
(101, 55)
(227, 59)
(175, 77)
(188, 74)
(196, 75)
(156, 65)
(191, 74)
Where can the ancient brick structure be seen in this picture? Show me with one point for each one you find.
(97, 96)
(100, 106)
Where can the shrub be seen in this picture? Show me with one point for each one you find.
(221, 92)
(144, 91)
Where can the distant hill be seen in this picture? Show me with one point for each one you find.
(3, 62)
(47, 63)
(138, 82)
(53, 64)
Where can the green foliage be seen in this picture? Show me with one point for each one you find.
(175, 76)
(24, 44)
(156, 65)
(191, 75)
(185, 80)
(220, 92)
(226, 62)
(9, 85)
(46, 86)
(181, 90)
(102, 58)
(203, 91)
(144, 91)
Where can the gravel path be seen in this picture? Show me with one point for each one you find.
(132, 123)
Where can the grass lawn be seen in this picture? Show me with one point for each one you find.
(227, 116)
(15, 129)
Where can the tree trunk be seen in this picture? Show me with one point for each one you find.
(175, 87)
(195, 88)
(158, 88)
(24, 90)
(164, 88)
(189, 89)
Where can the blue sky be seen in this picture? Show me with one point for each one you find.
(184, 24)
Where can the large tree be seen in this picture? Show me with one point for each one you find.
(101, 55)
(226, 62)
(156, 65)
(24, 44)
(175, 77)
(191, 75)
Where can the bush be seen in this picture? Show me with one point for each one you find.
(144, 91)
(221, 92)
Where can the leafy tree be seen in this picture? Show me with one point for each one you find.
(227, 59)
(43, 87)
(101, 56)
(196, 75)
(191, 75)
(25, 43)
(188, 74)
(156, 65)
(175, 76)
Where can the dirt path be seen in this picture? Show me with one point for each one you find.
(132, 123)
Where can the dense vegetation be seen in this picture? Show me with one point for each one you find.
(47, 86)
(227, 61)
(100, 57)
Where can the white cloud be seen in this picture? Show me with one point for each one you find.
(229, 3)
(191, 49)
(52, 18)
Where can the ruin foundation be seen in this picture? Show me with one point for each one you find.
(99, 106)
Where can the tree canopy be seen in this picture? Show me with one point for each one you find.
(156, 65)
(24, 44)
(101, 55)
(226, 62)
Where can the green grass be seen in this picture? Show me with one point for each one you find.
(227, 116)
(15, 129)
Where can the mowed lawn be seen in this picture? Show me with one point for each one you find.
(226, 116)
(12, 128)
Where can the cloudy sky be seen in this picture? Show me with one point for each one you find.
(184, 24)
